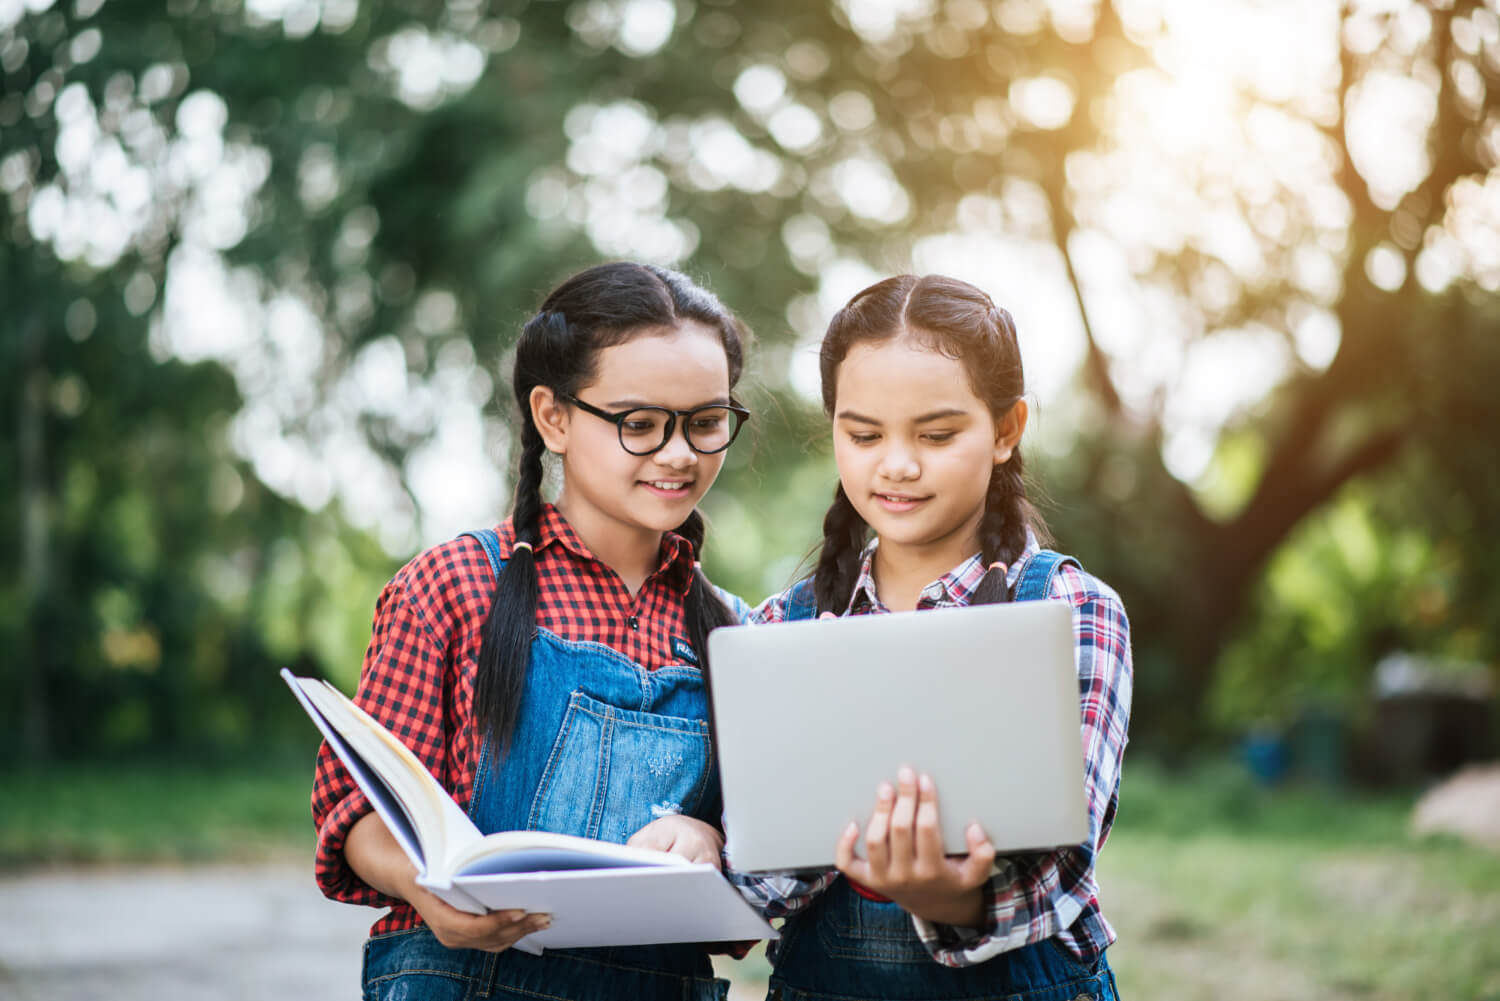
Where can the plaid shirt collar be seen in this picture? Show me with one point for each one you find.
(953, 588)
(675, 565)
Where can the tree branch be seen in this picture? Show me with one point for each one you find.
(1096, 363)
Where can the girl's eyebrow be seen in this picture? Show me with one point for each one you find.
(858, 418)
(944, 413)
(631, 404)
(934, 415)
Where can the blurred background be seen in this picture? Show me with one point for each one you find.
(262, 263)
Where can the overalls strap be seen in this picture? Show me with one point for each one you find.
(801, 601)
(1035, 581)
(490, 540)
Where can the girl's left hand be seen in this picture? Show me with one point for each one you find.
(692, 839)
(904, 857)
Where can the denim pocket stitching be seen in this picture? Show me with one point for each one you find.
(544, 784)
(611, 718)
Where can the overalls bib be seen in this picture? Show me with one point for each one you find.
(846, 946)
(602, 747)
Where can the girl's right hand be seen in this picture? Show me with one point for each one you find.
(492, 932)
(376, 858)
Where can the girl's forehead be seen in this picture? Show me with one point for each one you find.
(900, 375)
(677, 366)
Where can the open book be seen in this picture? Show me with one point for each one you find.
(597, 892)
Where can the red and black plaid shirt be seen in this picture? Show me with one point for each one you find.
(418, 673)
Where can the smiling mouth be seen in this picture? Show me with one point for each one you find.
(670, 486)
(898, 498)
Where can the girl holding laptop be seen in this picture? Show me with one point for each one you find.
(922, 379)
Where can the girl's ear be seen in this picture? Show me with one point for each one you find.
(1008, 431)
(550, 417)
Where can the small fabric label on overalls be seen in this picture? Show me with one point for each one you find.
(683, 650)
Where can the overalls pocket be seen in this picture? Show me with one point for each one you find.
(413, 964)
(612, 771)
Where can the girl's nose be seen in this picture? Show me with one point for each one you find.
(676, 454)
(899, 463)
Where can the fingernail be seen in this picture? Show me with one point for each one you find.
(976, 832)
(545, 921)
(852, 830)
(926, 783)
(905, 775)
(884, 790)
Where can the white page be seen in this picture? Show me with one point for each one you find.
(643, 906)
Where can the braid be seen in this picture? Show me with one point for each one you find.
(1002, 530)
(705, 610)
(505, 650)
(838, 560)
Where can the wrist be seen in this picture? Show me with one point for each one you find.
(962, 910)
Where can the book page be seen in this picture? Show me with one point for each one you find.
(542, 851)
(446, 829)
(395, 814)
(403, 782)
(645, 905)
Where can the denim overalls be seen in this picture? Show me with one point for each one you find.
(846, 946)
(602, 748)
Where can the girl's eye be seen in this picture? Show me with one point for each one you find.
(638, 427)
(863, 439)
(940, 437)
(708, 423)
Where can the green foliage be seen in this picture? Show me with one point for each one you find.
(153, 580)
(154, 812)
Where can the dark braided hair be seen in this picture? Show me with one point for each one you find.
(559, 348)
(962, 322)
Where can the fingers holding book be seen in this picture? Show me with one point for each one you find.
(688, 837)
(492, 932)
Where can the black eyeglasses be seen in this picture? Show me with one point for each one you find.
(644, 430)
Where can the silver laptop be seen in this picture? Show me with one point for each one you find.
(809, 717)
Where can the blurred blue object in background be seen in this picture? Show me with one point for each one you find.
(1265, 753)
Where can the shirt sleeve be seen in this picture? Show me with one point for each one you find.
(737, 606)
(773, 609)
(779, 896)
(401, 685)
(1032, 897)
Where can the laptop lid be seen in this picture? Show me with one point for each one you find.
(810, 716)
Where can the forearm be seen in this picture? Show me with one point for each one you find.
(378, 859)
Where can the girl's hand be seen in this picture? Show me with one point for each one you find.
(376, 858)
(492, 932)
(904, 857)
(692, 839)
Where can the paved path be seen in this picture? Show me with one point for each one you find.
(209, 933)
(219, 933)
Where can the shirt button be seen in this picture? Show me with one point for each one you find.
(633, 622)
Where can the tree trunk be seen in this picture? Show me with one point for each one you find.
(36, 738)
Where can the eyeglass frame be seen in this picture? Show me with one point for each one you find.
(618, 420)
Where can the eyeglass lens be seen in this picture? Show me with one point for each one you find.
(709, 429)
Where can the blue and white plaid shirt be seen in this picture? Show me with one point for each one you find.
(1035, 896)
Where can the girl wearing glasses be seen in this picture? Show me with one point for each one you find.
(493, 654)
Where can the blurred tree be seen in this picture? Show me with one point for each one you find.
(1286, 238)
(376, 184)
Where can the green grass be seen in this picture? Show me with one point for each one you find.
(1220, 889)
(154, 813)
